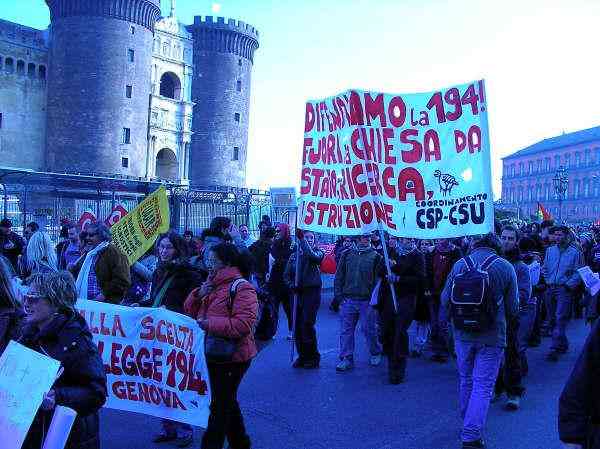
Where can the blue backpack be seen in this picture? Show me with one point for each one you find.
(473, 307)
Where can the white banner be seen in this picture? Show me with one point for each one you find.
(154, 360)
(25, 377)
(416, 164)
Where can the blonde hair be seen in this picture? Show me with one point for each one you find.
(41, 255)
(58, 288)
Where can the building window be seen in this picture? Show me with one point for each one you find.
(586, 188)
(128, 91)
(539, 166)
(125, 162)
(588, 159)
(521, 169)
(547, 161)
(20, 67)
(1, 60)
(240, 62)
(130, 55)
(132, 29)
(0, 120)
(530, 167)
(567, 160)
(236, 117)
(170, 86)
(31, 70)
(236, 154)
(239, 86)
(577, 159)
(42, 72)
(9, 65)
(512, 170)
(126, 135)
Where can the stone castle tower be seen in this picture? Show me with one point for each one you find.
(100, 57)
(223, 60)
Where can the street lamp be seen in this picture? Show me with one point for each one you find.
(561, 184)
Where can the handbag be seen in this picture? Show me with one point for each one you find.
(219, 349)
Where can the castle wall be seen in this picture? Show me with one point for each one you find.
(96, 51)
(223, 60)
(23, 71)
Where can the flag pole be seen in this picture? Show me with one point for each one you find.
(295, 296)
(386, 256)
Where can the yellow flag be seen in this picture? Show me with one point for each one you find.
(137, 231)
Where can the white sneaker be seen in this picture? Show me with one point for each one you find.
(375, 360)
(344, 365)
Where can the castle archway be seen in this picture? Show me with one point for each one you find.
(170, 86)
(166, 164)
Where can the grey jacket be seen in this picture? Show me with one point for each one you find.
(356, 274)
(560, 266)
(503, 281)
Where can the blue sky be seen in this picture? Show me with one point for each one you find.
(539, 59)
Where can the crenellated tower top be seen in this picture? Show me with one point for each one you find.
(224, 36)
(142, 12)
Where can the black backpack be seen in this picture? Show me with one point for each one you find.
(472, 304)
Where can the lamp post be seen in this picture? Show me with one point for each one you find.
(561, 184)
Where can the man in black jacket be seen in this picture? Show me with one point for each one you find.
(579, 404)
(308, 290)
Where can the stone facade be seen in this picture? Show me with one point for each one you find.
(527, 176)
(171, 108)
(116, 91)
(97, 49)
(23, 73)
(223, 60)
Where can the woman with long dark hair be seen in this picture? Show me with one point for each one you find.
(172, 281)
(281, 250)
(226, 306)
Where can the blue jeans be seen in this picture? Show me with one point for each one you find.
(478, 366)
(560, 301)
(351, 312)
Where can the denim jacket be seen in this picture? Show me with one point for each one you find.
(503, 281)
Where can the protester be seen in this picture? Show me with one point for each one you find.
(547, 238)
(11, 314)
(141, 273)
(510, 375)
(259, 251)
(281, 250)
(30, 229)
(529, 315)
(172, 281)
(221, 230)
(579, 404)
(354, 282)
(54, 328)
(308, 290)
(226, 306)
(41, 256)
(245, 236)
(479, 353)
(439, 263)
(560, 274)
(11, 243)
(69, 251)
(407, 278)
(103, 269)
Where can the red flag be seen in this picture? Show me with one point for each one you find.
(543, 213)
(116, 214)
(86, 219)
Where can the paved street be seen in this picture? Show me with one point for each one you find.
(296, 409)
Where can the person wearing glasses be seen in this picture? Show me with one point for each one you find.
(103, 269)
(53, 327)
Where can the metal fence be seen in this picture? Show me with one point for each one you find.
(49, 198)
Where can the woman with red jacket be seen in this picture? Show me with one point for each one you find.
(226, 311)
